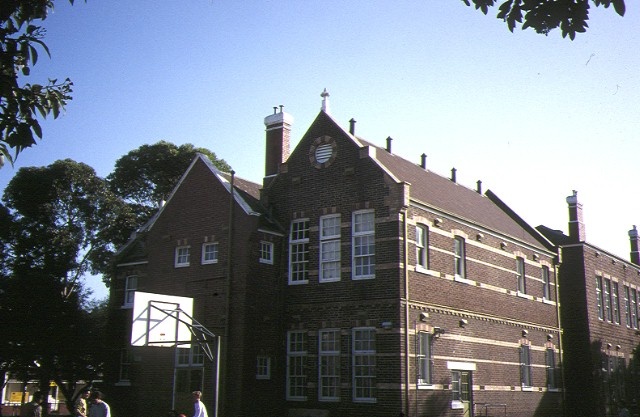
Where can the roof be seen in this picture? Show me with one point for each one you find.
(436, 191)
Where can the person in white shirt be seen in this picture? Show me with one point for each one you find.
(98, 407)
(199, 410)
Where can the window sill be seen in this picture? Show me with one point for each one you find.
(181, 265)
(457, 405)
(266, 261)
(329, 400)
(426, 271)
(527, 389)
(547, 301)
(458, 278)
(126, 307)
(209, 262)
(363, 278)
(426, 386)
(524, 295)
(365, 400)
(123, 384)
(298, 282)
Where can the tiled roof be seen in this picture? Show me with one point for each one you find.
(441, 193)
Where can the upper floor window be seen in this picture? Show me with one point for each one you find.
(526, 379)
(608, 310)
(130, 287)
(330, 248)
(299, 252)
(363, 244)
(209, 253)
(546, 283)
(634, 308)
(263, 367)
(182, 256)
(615, 302)
(266, 252)
(425, 358)
(422, 245)
(522, 285)
(329, 364)
(364, 364)
(627, 306)
(459, 257)
(599, 297)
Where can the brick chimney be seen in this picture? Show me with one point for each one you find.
(278, 127)
(635, 245)
(576, 225)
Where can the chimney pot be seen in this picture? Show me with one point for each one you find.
(453, 174)
(389, 139)
(576, 224)
(634, 240)
(278, 128)
(479, 189)
(423, 161)
(352, 126)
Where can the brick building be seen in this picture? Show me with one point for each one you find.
(352, 282)
(599, 297)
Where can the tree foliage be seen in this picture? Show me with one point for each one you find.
(145, 177)
(20, 104)
(545, 15)
(56, 224)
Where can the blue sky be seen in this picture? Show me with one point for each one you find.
(534, 117)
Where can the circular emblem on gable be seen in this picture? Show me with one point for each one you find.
(323, 152)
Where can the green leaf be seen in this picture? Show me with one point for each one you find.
(619, 7)
(35, 126)
(34, 55)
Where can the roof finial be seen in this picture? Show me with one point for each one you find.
(325, 101)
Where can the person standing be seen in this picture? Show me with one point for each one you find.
(80, 408)
(34, 407)
(199, 410)
(98, 407)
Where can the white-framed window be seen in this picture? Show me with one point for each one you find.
(189, 370)
(460, 386)
(607, 300)
(130, 287)
(422, 246)
(424, 358)
(209, 253)
(634, 308)
(296, 365)
(190, 356)
(627, 306)
(299, 252)
(364, 244)
(364, 365)
(126, 359)
(520, 275)
(329, 365)
(526, 377)
(330, 248)
(459, 257)
(599, 297)
(550, 363)
(615, 302)
(266, 252)
(546, 283)
(263, 367)
(182, 256)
